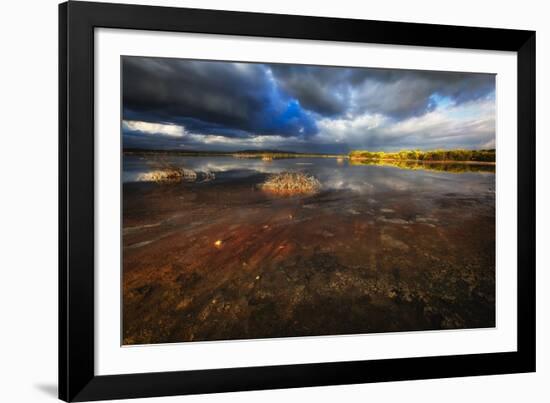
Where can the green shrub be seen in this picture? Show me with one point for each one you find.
(430, 155)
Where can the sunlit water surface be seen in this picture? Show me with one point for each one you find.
(378, 248)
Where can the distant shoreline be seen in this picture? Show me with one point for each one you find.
(236, 154)
(366, 156)
(438, 156)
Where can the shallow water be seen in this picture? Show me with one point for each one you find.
(333, 174)
(379, 248)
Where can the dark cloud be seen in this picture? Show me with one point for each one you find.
(134, 139)
(397, 93)
(240, 101)
(211, 97)
(402, 94)
(323, 90)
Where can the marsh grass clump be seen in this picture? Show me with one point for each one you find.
(167, 175)
(291, 183)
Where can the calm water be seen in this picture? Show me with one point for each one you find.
(333, 174)
(377, 249)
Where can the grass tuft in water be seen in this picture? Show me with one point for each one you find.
(291, 183)
(168, 175)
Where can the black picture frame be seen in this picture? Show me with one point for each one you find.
(77, 379)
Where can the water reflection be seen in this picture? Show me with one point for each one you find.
(362, 177)
(430, 166)
(380, 247)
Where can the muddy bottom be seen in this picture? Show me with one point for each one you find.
(222, 259)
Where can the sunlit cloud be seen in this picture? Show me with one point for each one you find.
(209, 105)
(468, 125)
(171, 130)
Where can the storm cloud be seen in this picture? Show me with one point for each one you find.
(396, 93)
(231, 99)
(210, 105)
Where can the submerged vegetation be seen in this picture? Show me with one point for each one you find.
(458, 155)
(291, 183)
(376, 249)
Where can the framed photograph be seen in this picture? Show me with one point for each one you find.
(257, 201)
